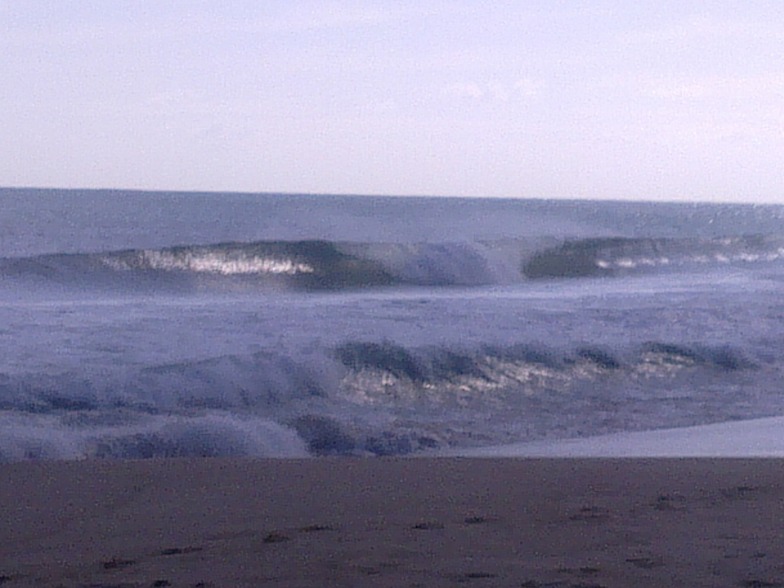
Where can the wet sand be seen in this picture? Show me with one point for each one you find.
(572, 523)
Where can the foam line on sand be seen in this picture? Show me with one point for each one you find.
(748, 438)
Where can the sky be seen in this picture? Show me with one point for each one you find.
(645, 100)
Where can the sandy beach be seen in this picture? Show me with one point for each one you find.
(393, 522)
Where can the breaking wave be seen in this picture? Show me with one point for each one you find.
(386, 373)
(306, 265)
(368, 398)
(610, 256)
(326, 265)
(80, 436)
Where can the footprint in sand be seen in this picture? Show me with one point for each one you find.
(590, 513)
(739, 492)
(181, 550)
(117, 564)
(468, 576)
(316, 528)
(669, 502)
(275, 537)
(476, 520)
(646, 563)
(428, 526)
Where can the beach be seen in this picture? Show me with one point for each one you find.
(392, 522)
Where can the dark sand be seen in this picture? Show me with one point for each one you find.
(402, 522)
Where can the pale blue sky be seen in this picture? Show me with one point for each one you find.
(655, 100)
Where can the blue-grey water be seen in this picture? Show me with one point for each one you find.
(179, 324)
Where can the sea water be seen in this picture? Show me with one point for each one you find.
(138, 325)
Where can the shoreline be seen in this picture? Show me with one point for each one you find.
(529, 522)
(745, 438)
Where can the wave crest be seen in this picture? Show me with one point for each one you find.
(224, 263)
(601, 257)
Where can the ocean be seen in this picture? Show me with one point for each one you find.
(143, 324)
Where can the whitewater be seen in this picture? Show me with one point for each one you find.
(152, 324)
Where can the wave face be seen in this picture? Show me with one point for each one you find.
(307, 265)
(602, 257)
(304, 265)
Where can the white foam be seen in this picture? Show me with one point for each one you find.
(751, 438)
(31, 437)
(216, 263)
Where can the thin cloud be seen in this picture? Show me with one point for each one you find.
(499, 92)
(700, 28)
(675, 90)
(529, 87)
(755, 88)
(466, 90)
(496, 91)
(312, 16)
